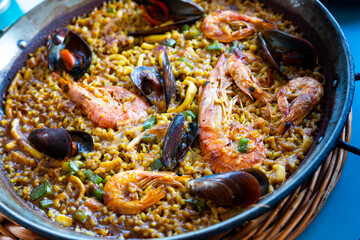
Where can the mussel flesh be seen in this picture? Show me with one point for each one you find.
(177, 141)
(60, 143)
(69, 52)
(154, 87)
(158, 12)
(231, 189)
(277, 46)
(150, 84)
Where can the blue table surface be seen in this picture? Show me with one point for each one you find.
(340, 217)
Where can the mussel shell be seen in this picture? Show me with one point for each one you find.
(277, 46)
(54, 142)
(172, 140)
(184, 10)
(177, 141)
(149, 83)
(66, 39)
(84, 141)
(168, 78)
(186, 141)
(181, 12)
(261, 178)
(230, 189)
(58, 142)
(165, 28)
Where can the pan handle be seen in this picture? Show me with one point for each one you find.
(357, 75)
(348, 147)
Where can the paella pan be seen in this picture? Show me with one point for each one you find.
(143, 93)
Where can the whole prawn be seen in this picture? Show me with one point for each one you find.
(306, 93)
(219, 140)
(121, 190)
(244, 79)
(119, 107)
(228, 26)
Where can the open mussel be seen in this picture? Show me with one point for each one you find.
(150, 84)
(231, 189)
(60, 143)
(177, 141)
(277, 46)
(69, 52)
(154, 87)
(157, 12)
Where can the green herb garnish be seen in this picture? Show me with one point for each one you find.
(243, 145)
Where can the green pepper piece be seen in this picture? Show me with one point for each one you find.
(215, 46)
(156, 165)
(185, 28)
(169, 42)
(199, 204)
(187, 62)
(92, 176)
(191, 114)
(243, 145)
(235, 44)
(149, 123)
(70, 167)
(80, 216)
(149, 138)
(97, 192)
(110, 10)
(45, 203)
(191, 33)
(41, 190)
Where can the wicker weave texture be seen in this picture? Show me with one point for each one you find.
(288, 220)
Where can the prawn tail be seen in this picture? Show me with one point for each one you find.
(220, 167)
(64, 80)
(299, 108)
(153, 197)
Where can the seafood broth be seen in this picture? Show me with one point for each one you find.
(131, 121)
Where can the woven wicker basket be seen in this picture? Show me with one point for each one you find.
(290, 218)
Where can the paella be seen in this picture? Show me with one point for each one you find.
(152, 118)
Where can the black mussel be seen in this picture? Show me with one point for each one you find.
(154, 87)
(158, 12)
(231, 189)
(261, 178)
(277, 46)
(60, 143)
(168, 77)
(177, 141)
(69, 52)
(83, 140)
(150, 84)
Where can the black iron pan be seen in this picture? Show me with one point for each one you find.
(312, 18)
